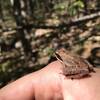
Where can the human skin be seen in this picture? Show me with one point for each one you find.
(49, 83)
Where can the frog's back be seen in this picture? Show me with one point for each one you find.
(76, 60)
(81, 62)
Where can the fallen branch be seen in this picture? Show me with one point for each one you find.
(72, 23)
(87, 17)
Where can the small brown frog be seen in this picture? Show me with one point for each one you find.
(74, 66)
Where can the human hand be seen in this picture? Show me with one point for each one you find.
(49, 84)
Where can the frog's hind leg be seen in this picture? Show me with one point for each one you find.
(79, 76)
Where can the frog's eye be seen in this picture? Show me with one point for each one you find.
(58, 57)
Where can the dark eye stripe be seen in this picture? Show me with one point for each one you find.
(57, 55)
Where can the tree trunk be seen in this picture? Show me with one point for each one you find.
(20, 18)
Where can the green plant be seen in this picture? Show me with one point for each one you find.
(75, 7)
